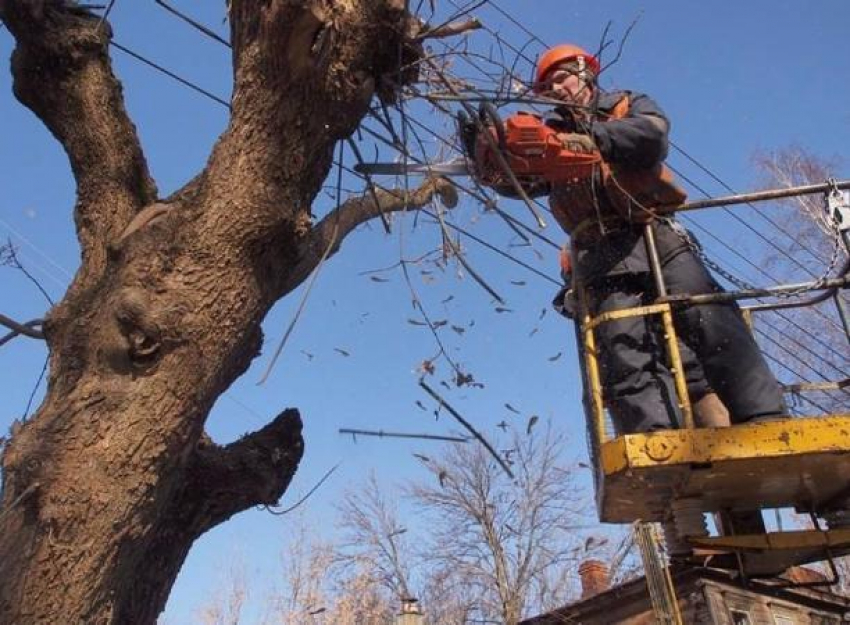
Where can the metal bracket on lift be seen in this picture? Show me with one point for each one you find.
(838, 205)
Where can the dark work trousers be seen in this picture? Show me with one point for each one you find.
(717, 349)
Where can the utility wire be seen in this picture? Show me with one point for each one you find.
(170, 74)
(752, 205)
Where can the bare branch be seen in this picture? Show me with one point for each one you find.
(468, 426)
(381, 434)
(449, 30)
(328, 234)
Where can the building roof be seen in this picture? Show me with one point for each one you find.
(631, 598)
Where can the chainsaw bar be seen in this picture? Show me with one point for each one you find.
(456, 167)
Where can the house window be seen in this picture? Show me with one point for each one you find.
(739, 617)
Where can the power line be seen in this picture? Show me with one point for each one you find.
(170, 74)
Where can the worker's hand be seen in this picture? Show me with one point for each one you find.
(577, 142)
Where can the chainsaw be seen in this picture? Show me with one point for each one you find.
(531, 149)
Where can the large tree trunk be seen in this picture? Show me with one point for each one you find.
(106, 488)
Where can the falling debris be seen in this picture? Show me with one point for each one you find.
(533, 332)
(555, 357)
(378, 279)
(420, 405)
(422, 458)
(534, 419)
(342, 351)
(518, 282)
(416, 322)
(467, 379)
(448, 299)
(426, 367)
(542, 314)
(502, 309)
(458, 329)
(503, 425)
(512, 409)
(439, 324)
(308, 354)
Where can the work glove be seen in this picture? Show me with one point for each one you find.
(468, 131)
(577, 142)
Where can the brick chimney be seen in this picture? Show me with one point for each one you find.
(594, 578)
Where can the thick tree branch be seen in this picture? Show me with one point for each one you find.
(254, 470)
(63, 74)
(305, 72)
(448, 30)
(330, 231)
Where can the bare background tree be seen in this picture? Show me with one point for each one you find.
(374, 539)
(814, 347)
(502, 540)
(228, 600)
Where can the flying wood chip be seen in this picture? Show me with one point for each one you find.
(427, 366)
(342, 351)
(512, 409)
(378, 279)
(458, 329)
(502, 309)
(555, 357)
(518, 282)
(416, 322)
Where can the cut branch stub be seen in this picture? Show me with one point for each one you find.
(254, 470)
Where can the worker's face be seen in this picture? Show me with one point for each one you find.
(568, 84)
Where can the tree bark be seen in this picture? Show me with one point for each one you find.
(106, 488)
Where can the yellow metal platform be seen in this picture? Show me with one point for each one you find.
(796, 462)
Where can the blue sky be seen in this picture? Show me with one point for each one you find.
(734, 78)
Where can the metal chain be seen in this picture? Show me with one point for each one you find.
(740, 283)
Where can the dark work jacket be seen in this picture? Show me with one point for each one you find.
(637, 139)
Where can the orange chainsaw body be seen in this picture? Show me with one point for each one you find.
(533, 152)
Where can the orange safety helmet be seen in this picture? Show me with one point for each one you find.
(562, 54)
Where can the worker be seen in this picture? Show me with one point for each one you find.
(605, 216)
